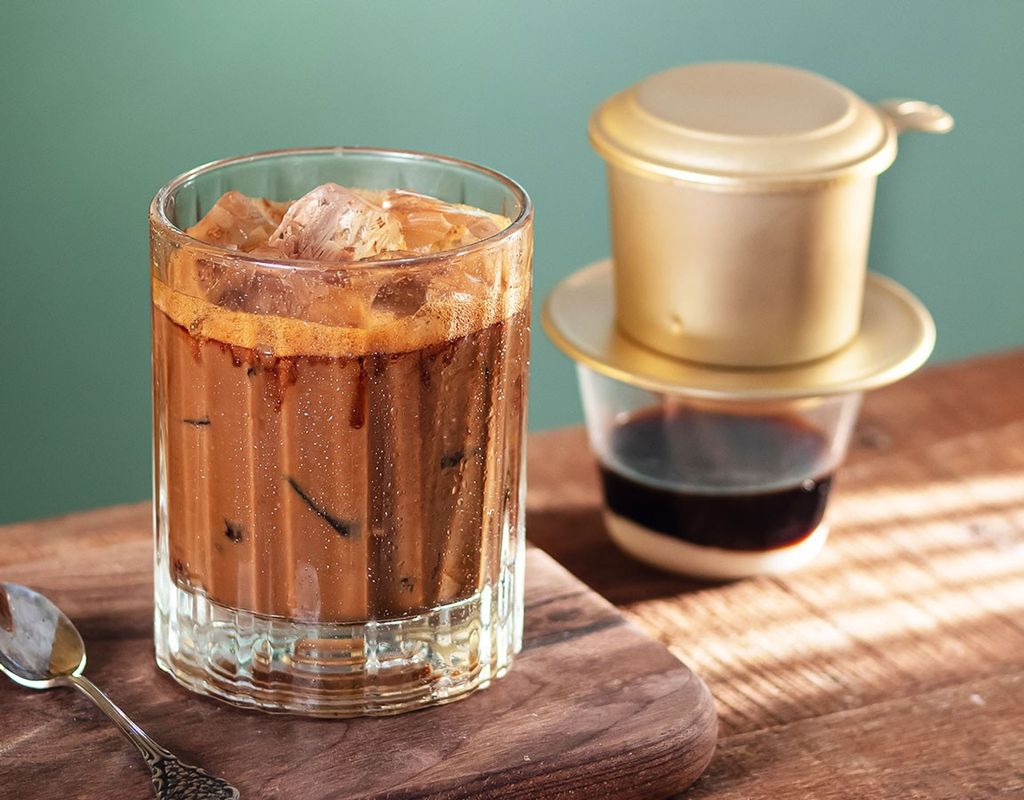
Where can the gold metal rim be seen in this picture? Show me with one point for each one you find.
(629, 153)
(614, 155)
(897, 335)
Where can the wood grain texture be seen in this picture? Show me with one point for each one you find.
(591, 708)
(956, 743)
(892, 666)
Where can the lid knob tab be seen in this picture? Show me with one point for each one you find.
(917, 115)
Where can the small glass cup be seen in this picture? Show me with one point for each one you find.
(339, 448)
(715, 490)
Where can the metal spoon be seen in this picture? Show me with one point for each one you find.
(40, 648)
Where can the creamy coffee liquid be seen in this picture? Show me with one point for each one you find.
(339, 449)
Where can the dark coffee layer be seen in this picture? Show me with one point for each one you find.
(751, 522)
(729, 518)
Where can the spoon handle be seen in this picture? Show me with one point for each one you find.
(172, 778)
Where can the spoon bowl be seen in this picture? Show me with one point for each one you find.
(39, 645)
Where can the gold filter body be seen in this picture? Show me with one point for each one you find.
(740, 278)
(741, 198)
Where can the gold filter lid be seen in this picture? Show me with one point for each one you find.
(896, 337)
(743, 123)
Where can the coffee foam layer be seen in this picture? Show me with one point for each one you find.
(439, 319)
(345, 304)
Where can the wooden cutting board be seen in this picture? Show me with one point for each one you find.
(592, 708)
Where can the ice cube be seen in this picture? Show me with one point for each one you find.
(430, 225)
(235, 222)
(332, 223)
(402, 296)
(424, 225)
(478, 223)
(337, 300)
(238, 222)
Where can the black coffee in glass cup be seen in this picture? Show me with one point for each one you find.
(715, 490)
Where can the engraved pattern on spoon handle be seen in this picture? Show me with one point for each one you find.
(172, 779)
(175, 780)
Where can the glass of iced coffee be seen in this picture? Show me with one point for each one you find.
(340, 353)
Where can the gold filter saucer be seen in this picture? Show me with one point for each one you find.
(896, 337)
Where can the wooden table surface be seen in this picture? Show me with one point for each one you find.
(593, 707)
(893, 666)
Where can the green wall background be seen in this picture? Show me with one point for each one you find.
(101, 103)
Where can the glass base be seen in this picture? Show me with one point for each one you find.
(337, 670)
